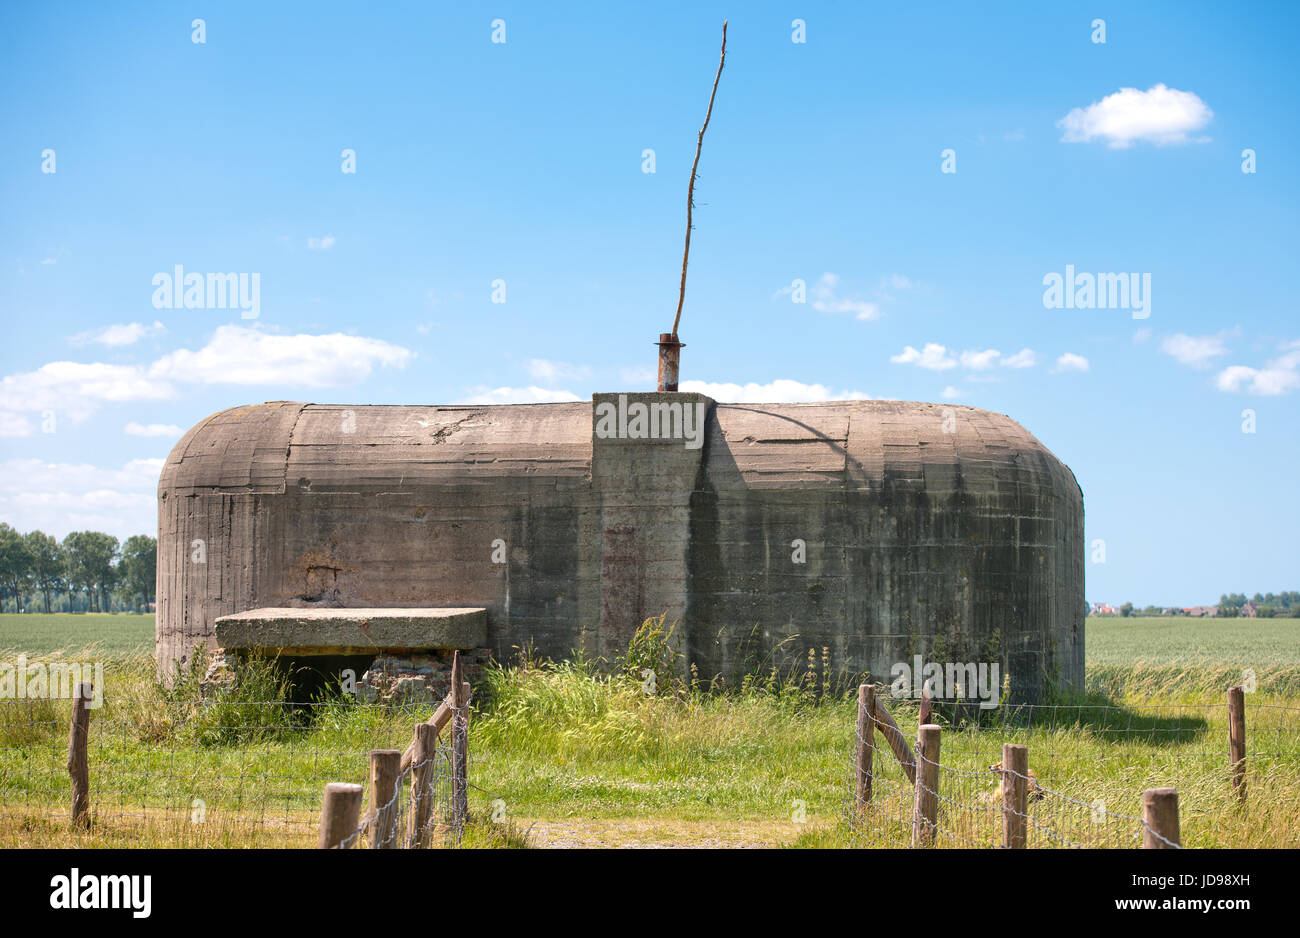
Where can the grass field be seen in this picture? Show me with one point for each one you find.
(112, 635)
(1180, 656)
(1179, 641)
(575, 758)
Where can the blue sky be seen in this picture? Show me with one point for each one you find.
(522, 161)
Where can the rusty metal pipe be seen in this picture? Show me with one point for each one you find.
(670, 351)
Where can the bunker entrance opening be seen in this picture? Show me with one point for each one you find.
(315, 678)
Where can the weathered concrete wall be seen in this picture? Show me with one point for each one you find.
(375, 506)
(918, 540)
(960, 546)
(644, 489)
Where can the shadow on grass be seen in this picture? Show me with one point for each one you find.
(1101, 717)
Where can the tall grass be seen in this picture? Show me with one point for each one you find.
(588, 743)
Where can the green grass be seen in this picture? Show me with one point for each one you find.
(112, 635)
(1176, 654)
(1178, 640)
(574, 756)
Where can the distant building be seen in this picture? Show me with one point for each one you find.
(1249, 611)
(1202, 612)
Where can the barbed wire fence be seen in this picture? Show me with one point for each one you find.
(149, 772)
(437, 807)
(238, 773)
(1032, 775)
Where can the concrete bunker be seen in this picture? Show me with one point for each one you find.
(878, 530)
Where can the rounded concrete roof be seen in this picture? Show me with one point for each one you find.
(265, 448)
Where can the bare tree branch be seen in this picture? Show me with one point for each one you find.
(690, 192)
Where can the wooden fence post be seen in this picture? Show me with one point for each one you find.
(1237, 740)
(459, 744)
(338, 814)
(437, 721)
(866, 745)
(423, 769)
(79, 756)
(926, 807)
(1160, 814)
(1015, 795)
(894, 736)
(384, 794)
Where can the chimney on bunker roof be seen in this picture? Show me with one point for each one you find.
(670, 352)
(670, 348)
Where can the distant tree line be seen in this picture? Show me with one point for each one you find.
(1267, 605)
(1285, 605)
(89, 571)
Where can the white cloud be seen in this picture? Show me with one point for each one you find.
(320, 244)
(978, 361)
(950, 392)
(119, 334)
(1072, 362)
(1194, 350)
(1025, 358)
(528, 395)
(934, 357)
(1278, 376)
(153, 429)
(76, 390)
(61, 497)
(780, 391)
(826, 299)
(234, 355)
(1233, 377)
(891, 284)
(1159, 115)
(14, 425)
(1141, 335)
(542, 369)
(240, 355)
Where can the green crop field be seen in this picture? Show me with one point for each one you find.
(1178, 640)
(574, 757)
(1179, 654)
(111, 635)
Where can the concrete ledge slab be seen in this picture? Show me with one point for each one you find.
(351, 631)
